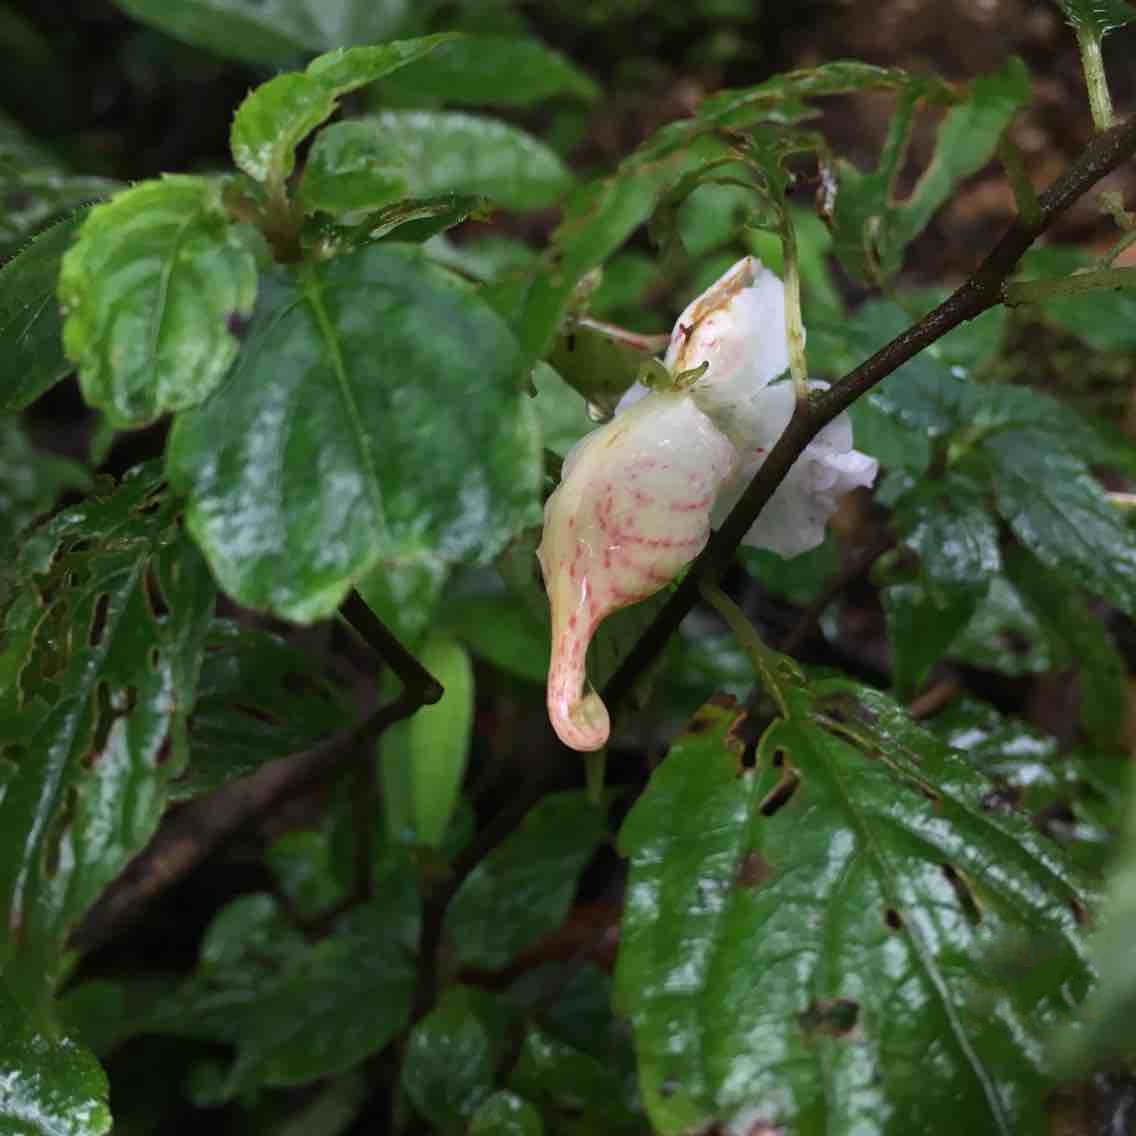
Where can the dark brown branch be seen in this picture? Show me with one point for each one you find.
(981, 291)
(200, 828)
(410, 672)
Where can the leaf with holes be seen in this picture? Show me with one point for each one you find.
(815, 944)
(96, 681)
(31, 330)
(154, 293)
(368, 162)
(276, 117)
(523, 889)
(30, 482)
(258, 699)
(491, 71)
(48, 1086)
(403, 390)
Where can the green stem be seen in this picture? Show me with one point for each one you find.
(1125, 242)
(1025, 196)
(1092, 62)
(1097, 280)
(766, 662)
(794, 325)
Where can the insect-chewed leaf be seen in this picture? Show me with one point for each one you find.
(813, 945)
(97, 675)
(154, 291)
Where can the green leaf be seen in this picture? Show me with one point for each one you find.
(503, 631)
(303, 863)
(31, 329)
(37, 197)
(800, 579)
(800, 938)
(405, 595)
(872, 230)
(154, 292)
(573, 1087)
(561, 410)
(1079, 636)
(967, 139)
(258, 699)
(367, 162)
(272, 31)
(50, 1086)
(506, 1114)
(448, 1068)
(330, 1007)
(1103, 1035)
(947, 523)
(598, 219)
(491, 71)
(430, 749)
(402, 389)
(1004, 636)
(922, 624)
(30, 482)
(105, 642)
(1056, 508)
(275, 118)
(1097, 16)
(415, 219)
(523, 889)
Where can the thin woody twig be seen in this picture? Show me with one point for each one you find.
(983, 290)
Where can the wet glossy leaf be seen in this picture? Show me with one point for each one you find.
(403, 390)
(303, 864)
(367, 162)
(1079, 636)
(1097, 16)
(430, 748)
(804, 941)
(154, 292)
(491, 71)
(275, 118)
(1056, 508)
(31, 329)
(97, 678)
(448, 1068)
(330, 1007)
(50, 1086)
(258, 699)
(412, 219)
(947, 523)
(523, 889)
(506, 1114)
(30, 483)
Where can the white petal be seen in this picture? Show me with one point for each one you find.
(631, 396)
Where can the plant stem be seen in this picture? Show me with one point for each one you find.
(1092, 63)
(1025, 196)
(794, 326)
(1095, 280)
(649, 344)
(983, 290)
(409, 671)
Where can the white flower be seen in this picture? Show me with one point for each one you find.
(637, 496)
